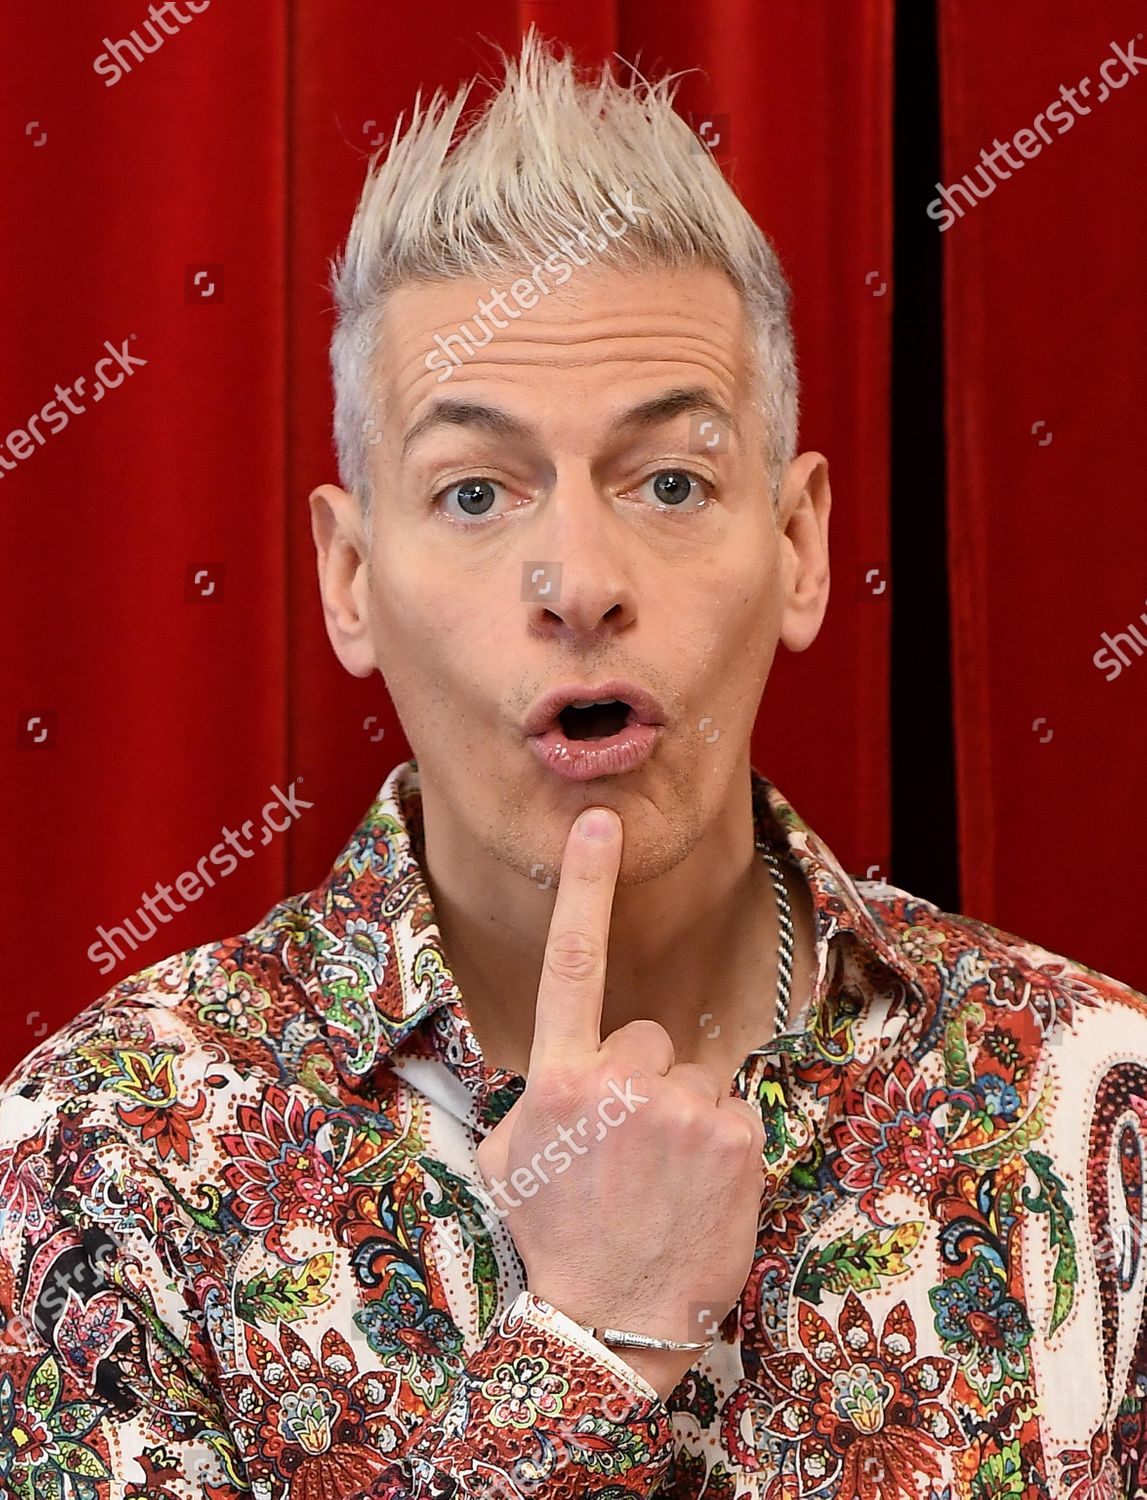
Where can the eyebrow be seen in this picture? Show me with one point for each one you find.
(452, 412)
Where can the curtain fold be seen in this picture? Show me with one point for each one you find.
(143, 591)
(168, 671)
(1046, 363)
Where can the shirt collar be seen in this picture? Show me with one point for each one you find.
(367, 948)
(838, 905)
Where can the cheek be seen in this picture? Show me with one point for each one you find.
(428, 584)
(432, 628)
(416, 597)
(737, 606)
(742, 635)
(755, 603)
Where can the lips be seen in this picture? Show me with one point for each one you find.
(546, 712)
(589, 752)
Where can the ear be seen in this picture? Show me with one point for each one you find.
(802, 517)
(343, 556)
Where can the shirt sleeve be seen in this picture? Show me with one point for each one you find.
(543, 1410)
(98, 1396)
(119, 1377)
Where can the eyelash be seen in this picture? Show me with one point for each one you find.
(707, 485)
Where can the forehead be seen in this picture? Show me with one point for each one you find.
(643, 329)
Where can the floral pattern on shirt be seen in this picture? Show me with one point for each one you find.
(243, 1253)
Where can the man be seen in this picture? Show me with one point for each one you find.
(543, 1154)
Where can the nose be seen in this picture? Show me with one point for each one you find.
(577, 582)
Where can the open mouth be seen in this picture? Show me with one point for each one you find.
(596, 721)
(580, 738)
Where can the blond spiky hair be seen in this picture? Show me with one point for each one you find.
(539, 160)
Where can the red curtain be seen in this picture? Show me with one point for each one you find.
(167, 672)
(1046, 364)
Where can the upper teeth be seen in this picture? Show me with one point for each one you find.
(591, 702)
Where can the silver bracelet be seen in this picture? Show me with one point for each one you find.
(620, 1339)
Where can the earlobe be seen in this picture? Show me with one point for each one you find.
(806, 503)
(343, 562)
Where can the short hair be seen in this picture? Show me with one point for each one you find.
(537, 161)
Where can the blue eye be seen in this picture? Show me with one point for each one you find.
(676, 486)
(476, 496)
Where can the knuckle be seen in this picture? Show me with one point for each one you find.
(561, 1087)
(645, 1039)
(690, 1115)
(734, 1143)
(736, 1108)
(574, 955)
(692, 1076)
(650, 1033)
(736, 1136)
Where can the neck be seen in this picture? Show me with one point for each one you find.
(693, 948)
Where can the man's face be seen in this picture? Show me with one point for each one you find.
(675, 572)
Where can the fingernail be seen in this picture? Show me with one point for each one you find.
(597, 823)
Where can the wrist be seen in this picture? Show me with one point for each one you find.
(663, 1369)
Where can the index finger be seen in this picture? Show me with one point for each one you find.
(572, 986)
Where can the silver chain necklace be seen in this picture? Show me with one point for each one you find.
(785, 950)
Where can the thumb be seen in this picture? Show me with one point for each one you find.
(494, 1151)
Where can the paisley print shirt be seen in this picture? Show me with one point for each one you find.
(243, 1249)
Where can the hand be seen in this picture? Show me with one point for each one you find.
(631, 1185)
